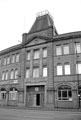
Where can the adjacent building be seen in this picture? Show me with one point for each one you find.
(44, 70)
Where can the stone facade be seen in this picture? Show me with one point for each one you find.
(20, 85)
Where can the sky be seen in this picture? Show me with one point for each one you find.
(18, 16)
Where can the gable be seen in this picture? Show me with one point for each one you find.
(35, 41)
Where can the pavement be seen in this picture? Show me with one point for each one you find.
(15, 113)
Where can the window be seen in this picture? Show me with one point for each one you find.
(66, 49)
(59, 69)
(78, 68)
(3, 94)
(12, 74)
(28, 55)
(13, 94)
(77, 48)
(44, 52)
(6, 76)
(8, 59)
(17, 57)
(58, 50)
(27, 72)
(16, 73)
(3, 75)
(65, 93)
(13, 59)
(36, 54)
(36, 72)
(44, 71)
(4, 61)
(67, 69)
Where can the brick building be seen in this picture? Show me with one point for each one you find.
(44, 70)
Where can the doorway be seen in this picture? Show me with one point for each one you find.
(37, 99)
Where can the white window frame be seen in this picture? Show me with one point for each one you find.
(3, 75)
(35, 72)
(28, 55)
(77, 47)
(78, 68)
(13, 58)
(6, 75)
(28, 73)
(4, 61)
(8, 59)
(66, 49)
(67, 69)
(13, 95)
(17, 57)
(58, 50)
(59, 69)
(44, 71)
(16, 73)
(12, 74)
(44, 52)
(36, 54)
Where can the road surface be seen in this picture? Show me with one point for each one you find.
(21, 114)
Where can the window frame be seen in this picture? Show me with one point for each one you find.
(57, 50)
(36, 51)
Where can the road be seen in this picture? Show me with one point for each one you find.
(21, 114)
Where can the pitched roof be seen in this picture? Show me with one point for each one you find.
(41, 23)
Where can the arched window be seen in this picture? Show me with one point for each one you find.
(65, 93)
(13, 94)
(3, 93)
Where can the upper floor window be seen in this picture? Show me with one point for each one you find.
(3, 75)
(27, 72)
(44, 71)
(36, 72)
(44, 52)
(78, 68)
(12, 74)
(59, 69)
(28, 55)
(58, 50)
(6, 75)
(67, 69)
(36, 54)
(8, 59)
(16, 73)
(17, 57)
(4, 61)
(77, 47)
(13, 58)
(64, 93)
(66, 49)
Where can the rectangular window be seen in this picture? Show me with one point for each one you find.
(6, 76)
(58, 50)
(16, 73)
(13, 58)
(12, 74)
(17, 57)
(13, 95)
(44, 52)
(3, 75)
(66, 49)
(28, 55)
(44, 71)
(78, 68)
(36, 54)
(28, 73)
(36, 72)
(77, 48)
(67, 69)
(8, 59)
(4, 61)
(59, 69)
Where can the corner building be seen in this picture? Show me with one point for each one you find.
(44, 70)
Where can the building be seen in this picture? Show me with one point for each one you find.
(44, 70)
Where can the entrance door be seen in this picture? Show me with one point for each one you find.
(37, 99)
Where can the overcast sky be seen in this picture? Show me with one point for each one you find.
(17, 17)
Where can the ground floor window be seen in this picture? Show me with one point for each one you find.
(3, 94)
(13, 94)
(64, 93)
